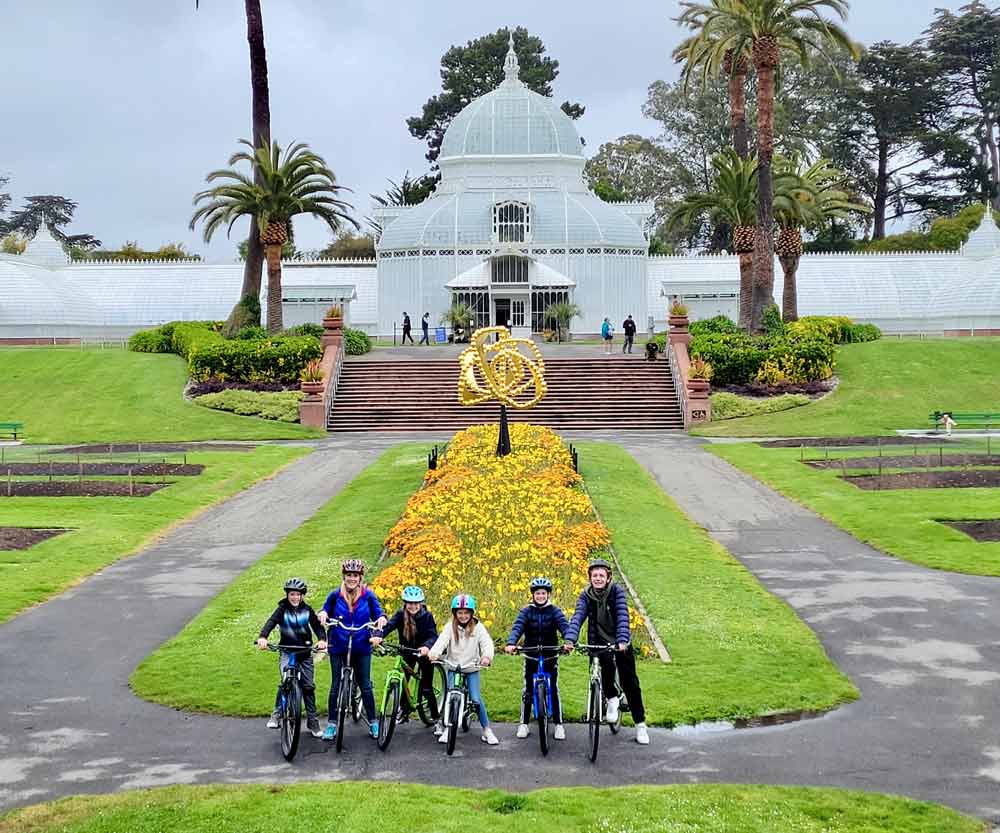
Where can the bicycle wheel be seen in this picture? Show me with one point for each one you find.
(291, 720)
(594, 719)
(357, 707)
(390, 712)
(454, 718)
(467, 717)
(622, 706)
(542, 713)
(344, 705)
(439, 686)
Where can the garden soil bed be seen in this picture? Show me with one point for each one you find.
(151, 448)
(981, 531)
(966, 479)
(834, 442)
(75, 488)
(103, 469)
(23, 538)
(921, 461)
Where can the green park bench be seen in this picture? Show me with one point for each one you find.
(12, 429)
(966, 420)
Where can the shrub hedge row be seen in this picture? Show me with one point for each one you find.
(282, 406)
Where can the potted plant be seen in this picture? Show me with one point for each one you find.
(699, 376)
(333, 318)
(311, 378)
(678, 315)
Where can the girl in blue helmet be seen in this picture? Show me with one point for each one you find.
(467, 643)
(417, 629)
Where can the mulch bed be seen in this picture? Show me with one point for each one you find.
(833, 442)
(921, 461)
(134, 448)
(966, 479)
(76, 488)
(108, 469)
(980, 531)
(23, 538)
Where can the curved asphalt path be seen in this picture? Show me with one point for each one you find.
(923, 647)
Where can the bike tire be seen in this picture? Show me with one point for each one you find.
(440, 688)
(357, 705)
(594, 720)
(343, 707)
(616, 727)
(455, 717)
(542, 713)
(390, 713)
(467, 717)
(291, 721)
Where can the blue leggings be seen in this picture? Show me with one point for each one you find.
(475, 695)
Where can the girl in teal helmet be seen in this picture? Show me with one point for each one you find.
(467, 643)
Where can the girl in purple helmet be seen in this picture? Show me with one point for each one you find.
(467, 643)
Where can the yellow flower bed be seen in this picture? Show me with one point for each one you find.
(487, 525)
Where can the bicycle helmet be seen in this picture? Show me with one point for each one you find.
(412, 593)
(541, 583)
(295, 584)
(598, 562)
(353, 565)
(464, 600)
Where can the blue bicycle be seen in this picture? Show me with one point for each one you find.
(290, 701)
(541, 691)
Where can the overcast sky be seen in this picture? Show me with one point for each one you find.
(124, 107)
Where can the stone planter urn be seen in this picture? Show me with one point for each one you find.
(698, 388)
(678, 322)
(311, 389)
(678, 333)
(333, 331)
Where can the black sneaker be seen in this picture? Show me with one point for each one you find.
(312, 726)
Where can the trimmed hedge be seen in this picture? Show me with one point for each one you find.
(282, 406)
(730, 405)
(356, 342)
(718, 324)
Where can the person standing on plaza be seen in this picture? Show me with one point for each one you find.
(608, 334)
(628, 326)
(406, 328)
(425, 324)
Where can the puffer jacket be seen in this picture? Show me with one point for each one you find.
(427, 631)
(585, 609)
(366, 610)
(539, 626)
(467, 650)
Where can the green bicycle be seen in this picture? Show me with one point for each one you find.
(402, 694)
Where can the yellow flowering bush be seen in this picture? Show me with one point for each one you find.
(487, 525)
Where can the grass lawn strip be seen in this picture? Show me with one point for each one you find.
(901, 522)
(76, 396)
(738, 651)
(105, 529)
(421, 809)
(886, 385)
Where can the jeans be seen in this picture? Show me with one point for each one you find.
(362, 665)
(627, 346)
(528, 694)
(425, 337)
(475, 695)
(305, 665)
(627, 676)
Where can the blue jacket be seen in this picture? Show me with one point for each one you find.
(294, 624)
(539, 626)
(366, 610)
(605, 329)
(586, 607)
(427, 631)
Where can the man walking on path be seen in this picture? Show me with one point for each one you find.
(406, 329)
(425, 324)
(629, 327)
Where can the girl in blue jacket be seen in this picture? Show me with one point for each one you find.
(353, 604)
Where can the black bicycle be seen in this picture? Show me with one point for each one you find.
(290, 698)
(348, 694)
(596, 700)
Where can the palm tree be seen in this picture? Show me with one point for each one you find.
(260, 104)
(821, 198)
(765, 28)
(561, 313)
(294, 182)
(459, 316)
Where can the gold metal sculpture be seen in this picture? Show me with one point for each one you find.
(498, 369)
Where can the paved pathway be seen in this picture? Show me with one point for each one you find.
(921, 645)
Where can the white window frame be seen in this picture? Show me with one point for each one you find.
(511, 222)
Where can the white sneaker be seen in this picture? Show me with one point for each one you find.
(443, 737)
(489, 737)
(560, 732)
(439, 728)
(611, 715)
(641, 735)
(272, 721)
(523, 731)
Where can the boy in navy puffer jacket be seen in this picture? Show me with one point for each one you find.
(540, 623)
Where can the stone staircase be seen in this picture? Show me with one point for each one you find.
(609, 393)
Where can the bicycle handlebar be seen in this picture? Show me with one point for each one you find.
(611, 646)
(461, 669)
(353, 628)
(536, 649)
(274, 646)
(390, 647)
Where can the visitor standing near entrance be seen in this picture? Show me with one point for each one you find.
(608, 334)
(406, 328)
(604, 606)
(425, 324)
(628, 326)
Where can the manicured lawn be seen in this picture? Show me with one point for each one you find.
(886, 385)
(416, 809)
(737, 650)
(68, 395)
(900, 522)
(108, 528)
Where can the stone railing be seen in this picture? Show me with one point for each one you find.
(693, 393)
(315, 408)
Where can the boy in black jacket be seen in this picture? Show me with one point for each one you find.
(294, 618)
(540, 623)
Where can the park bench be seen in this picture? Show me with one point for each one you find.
(966, 420)
(12, 429)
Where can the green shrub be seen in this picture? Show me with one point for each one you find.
(150, 341)
(314, 330)
(272, 360)
(729, 405)
(773, 325)
(718, 324)
(735, 357)
(356, 342)
(281, 406)
(858, 333)
(190, 336)
(251, 332)
(833, 328)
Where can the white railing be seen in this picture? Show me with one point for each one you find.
(679, 385)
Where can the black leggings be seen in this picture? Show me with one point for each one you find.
(426, 684)
(627, 676)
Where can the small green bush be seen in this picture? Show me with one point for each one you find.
(281, 406)
(251, 332)
(718, 324)
(773, 325)
(356, 342)
(314, 330)
(190, 336)
(271, 360)
(730, 406)
(858, 333)
(150, 341)
(735, 357)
